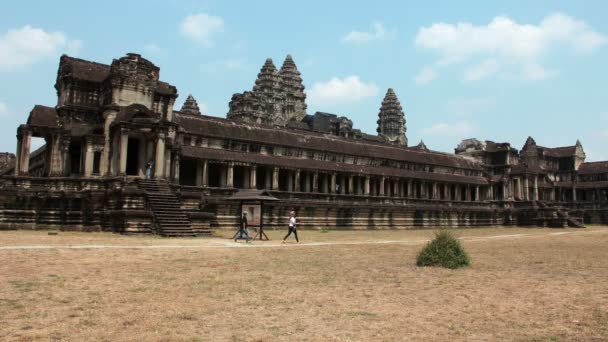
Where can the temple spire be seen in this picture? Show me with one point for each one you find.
(190, 106)
(268, 78)
(391, 120)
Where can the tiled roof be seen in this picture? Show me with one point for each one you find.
(593, 168)
(311, 164)
(85, 70)
(280, 136)
(43, 116)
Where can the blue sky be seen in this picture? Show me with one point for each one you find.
(499, 70)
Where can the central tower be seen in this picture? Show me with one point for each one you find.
(391, 120)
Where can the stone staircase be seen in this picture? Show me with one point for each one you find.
(571, 221)
(169, 218)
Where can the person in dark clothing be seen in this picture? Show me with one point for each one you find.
(292, 227)
(243, 229)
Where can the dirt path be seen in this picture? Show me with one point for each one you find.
(222, 243)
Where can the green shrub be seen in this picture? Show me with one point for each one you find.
(445, 251)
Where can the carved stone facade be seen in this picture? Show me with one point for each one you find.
(117, 157)
(391, 120)
(277, 98)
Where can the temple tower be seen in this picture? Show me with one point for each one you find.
(391, 120)
(294, 106)
(190, 106)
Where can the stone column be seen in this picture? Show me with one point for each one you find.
(351, 185)
(343, 185)
(307, 182)
(396, 188)
(275, 178)
(253, 177)
(176, 165)
(298, 181)
(536, 188)
(55, 168)
(315, 182)
(423, 190)
(24, 155)
(332, 183)
(205, 173)
(446, 192)
(477, 193)
(159, 160)
(88, 158)
(230, 175)
(409, 189)
(468, 193)
(381, 187)
(17, 169)
(366, 186)
(199, 173)
(124, 143)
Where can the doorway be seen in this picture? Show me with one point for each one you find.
(133, 157)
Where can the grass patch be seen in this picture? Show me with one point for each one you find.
(445, 251)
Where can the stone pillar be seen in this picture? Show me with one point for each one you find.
(205, 173)
(88, 158)
(275, 178)
(396, 188)
(230, 175)
(423, 192)
(536, 188)
(468, 193)
(307, 182)
(351, 185)
(24, 153)
(199, 173)
(526, 192)
(298, 181)
(176, 165)
(124, 143)
(315, 182)
(477, 193)
(17, 169)
(159, 160)
(253, 177)
(366, 186)
(55, 167)
(343, 185)
(446, 192)
(409, 189)
(332, 183)
(381, 187)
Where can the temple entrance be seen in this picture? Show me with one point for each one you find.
(75, 157)
(132, 157)
(187, 172)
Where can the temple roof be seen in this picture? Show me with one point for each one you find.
(43, 116)
(223, 128)
(190, 106)
(83, 70)
(593, 168)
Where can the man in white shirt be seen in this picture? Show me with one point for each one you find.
(292, 227)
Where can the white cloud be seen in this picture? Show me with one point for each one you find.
(3, 110)
(482, 70)
(511, 45)
(378, 32)
(470, 106)
(459, 129)
(337, 91)
(426, 75)
(201, 27)
(29, 45)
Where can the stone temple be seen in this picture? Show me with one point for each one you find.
(113, 124)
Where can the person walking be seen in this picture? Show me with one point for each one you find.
(292, 227)
(243, 229)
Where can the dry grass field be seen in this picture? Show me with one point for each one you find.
(540, 286)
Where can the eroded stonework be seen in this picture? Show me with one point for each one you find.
(118, 157)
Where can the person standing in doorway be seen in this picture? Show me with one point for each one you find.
(292, 227)
(149, 169)
(243, 229)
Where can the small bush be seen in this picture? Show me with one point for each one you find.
(445, 251)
